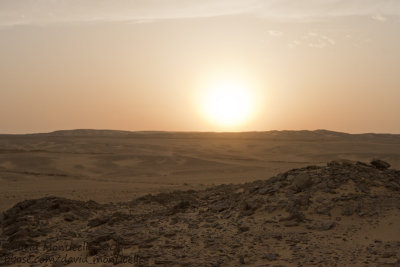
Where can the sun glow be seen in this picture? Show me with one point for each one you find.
(228, 104)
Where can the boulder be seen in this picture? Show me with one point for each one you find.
(380, 164)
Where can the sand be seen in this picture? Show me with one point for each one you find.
(113, 166)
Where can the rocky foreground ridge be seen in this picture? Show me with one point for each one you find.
(343, 214)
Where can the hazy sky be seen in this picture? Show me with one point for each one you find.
(147, 64)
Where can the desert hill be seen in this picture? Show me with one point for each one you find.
(345, 213)
(280, 135)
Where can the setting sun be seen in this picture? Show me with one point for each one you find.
(228, 104)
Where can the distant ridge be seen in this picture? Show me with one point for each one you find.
(290, 135)
(88, 132)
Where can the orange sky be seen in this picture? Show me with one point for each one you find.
(146, 65)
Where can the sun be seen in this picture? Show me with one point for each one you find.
(228, 103)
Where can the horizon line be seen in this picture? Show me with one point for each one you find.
(172, 131)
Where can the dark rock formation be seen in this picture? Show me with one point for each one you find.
(380, 164)
(307, 214)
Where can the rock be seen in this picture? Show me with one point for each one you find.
(291, 223)
(193, 226)
(341, 163)
(48, 207)
(241, 260)
(147, 245)
(97, 221)
(324, 209)
(174, 220)
(327, 226)
(69, 217)
(243, 229)
(220, 206)
(296, 216)
(380, 164)
(301, 182)
(269, 189)
(363, 188)
(349, 209)
(301, 202)
(394, 186)
(277, 236)
(182, 206)
(270, 256)
(247, 209)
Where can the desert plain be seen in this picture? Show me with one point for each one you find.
(277, 198)
(114, 166)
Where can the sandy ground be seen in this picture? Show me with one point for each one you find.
(112, 166)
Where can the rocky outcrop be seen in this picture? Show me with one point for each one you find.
(283, 221)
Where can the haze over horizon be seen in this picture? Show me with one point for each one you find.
(116, 132)
(178, 65)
